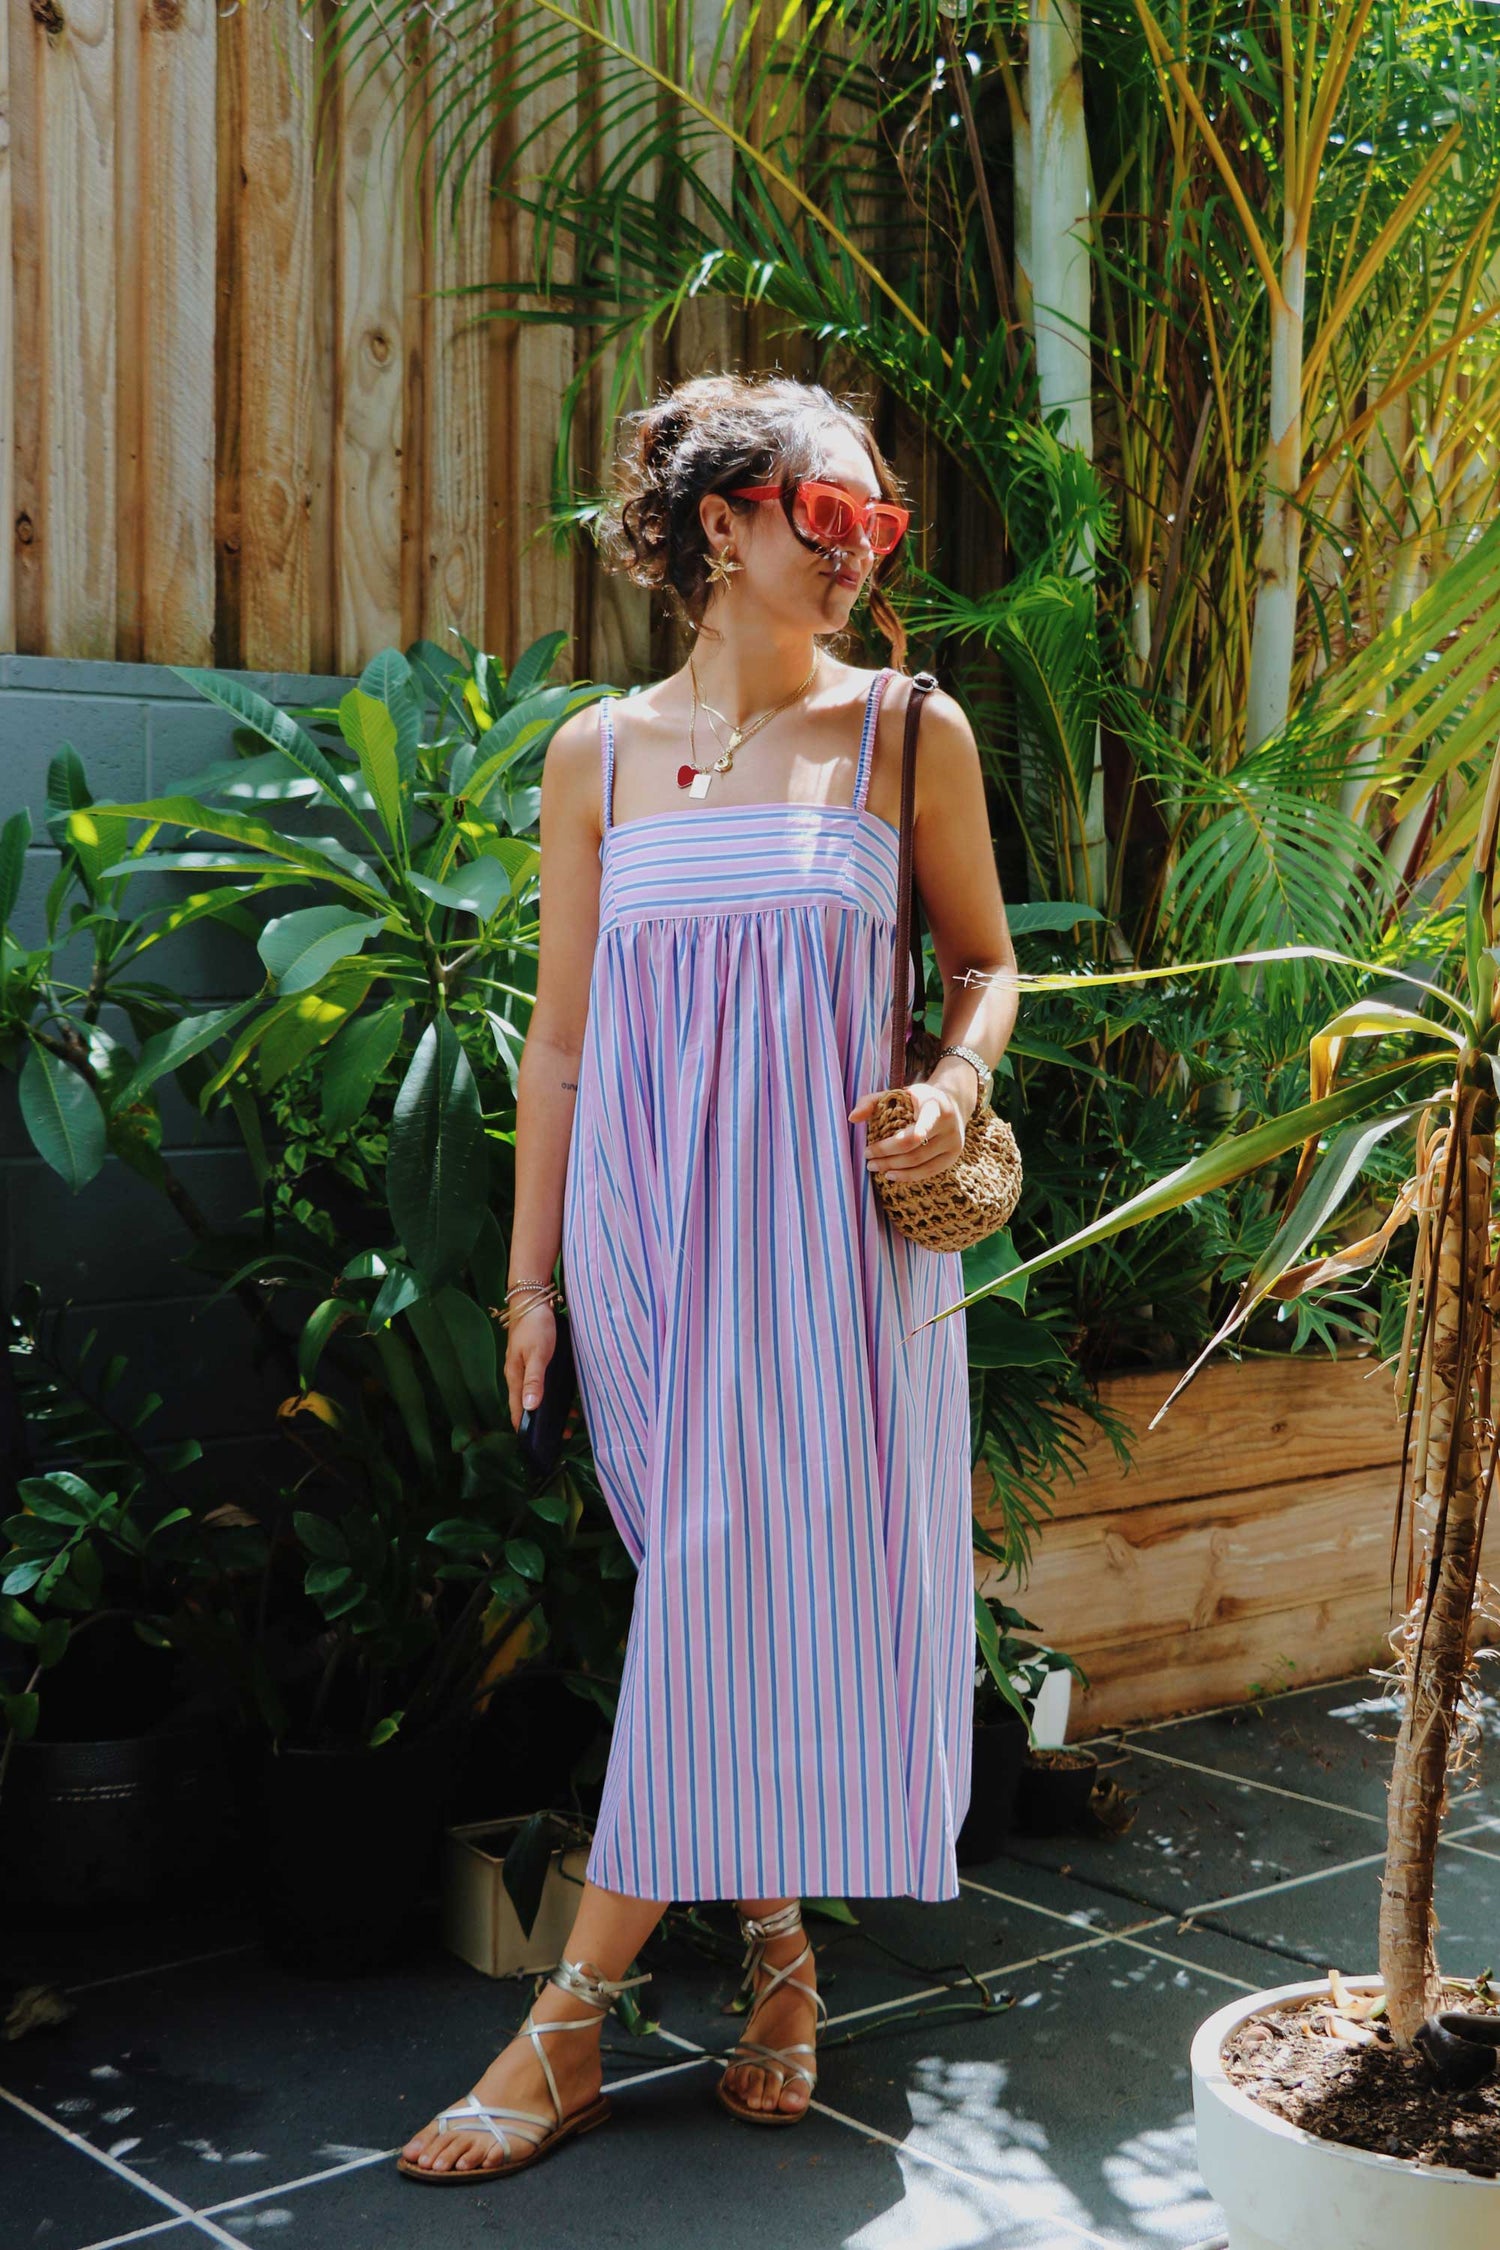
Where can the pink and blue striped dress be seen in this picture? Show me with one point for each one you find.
(790, 1476)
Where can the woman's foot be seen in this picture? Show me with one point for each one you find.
(515, 2080)
(785, 2017)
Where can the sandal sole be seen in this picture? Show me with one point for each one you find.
(584, 2122)
(763, 2116)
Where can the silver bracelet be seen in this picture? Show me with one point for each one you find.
(515, 1285)
(981, 1070)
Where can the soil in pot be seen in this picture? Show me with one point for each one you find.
(1362, 2094)
(999, 1753)
(1054, 1790)
(347, 1842)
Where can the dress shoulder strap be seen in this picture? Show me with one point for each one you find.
(607, 759)
(867, 737)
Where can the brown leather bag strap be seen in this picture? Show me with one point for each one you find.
(908, 905)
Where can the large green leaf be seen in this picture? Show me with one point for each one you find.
(388, 677)
(353, 1068)
(437, 1174)
(14, 838)
(299, 949)
(275, 726)
(63, 1117)
(370, 731)
(1228, 1160)
(321, 856)
(478, 887)
(170, 1049)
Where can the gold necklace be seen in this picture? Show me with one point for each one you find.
(695, 779)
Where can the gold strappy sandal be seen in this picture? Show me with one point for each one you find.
(538, 2135)
(782, 1923)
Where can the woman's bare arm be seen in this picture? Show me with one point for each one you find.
(547, 1081)
(955, 869)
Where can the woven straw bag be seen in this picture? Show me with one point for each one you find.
(953, 1209)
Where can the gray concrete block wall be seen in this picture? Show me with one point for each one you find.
(113, 1254)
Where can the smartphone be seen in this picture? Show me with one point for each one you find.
(540, 1429)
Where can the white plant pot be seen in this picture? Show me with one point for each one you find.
(1049, 1718)
(1283, 2189)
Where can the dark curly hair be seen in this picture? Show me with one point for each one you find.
(704, 436)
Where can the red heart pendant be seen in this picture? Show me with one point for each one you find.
(686, 776)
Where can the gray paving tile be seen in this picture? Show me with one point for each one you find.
(670, 2168)
(1200, 1835)
(57, 2196)
(1075, 2105)
(1331, 1922)
(232, 2074)
(1333, 1743)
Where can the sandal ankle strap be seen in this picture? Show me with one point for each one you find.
(781, 1923)
(581, 1978)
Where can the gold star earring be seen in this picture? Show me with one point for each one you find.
(723, 566)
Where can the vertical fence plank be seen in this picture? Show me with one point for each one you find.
(72, 507)
(166, 528)
(274, 272)
(614, 615)
(373, 220)
(542, 596)
(7, 354)
(24, 531)
(455, 358)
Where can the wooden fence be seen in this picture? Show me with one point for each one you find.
(1248, 1547)
(240, 422)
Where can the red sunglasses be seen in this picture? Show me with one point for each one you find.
(831, 516)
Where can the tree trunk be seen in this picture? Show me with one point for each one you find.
(1278, 558)
(1453, 1379)
(1060, 269)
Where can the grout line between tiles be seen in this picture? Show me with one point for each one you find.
(1073, 2227)
(137, 2234)
(1008, 1898)
(1272, 1788)
(162, 1968)
(928, 1992)
(121, 2171)
(1287, 1883)
(1179, 1960)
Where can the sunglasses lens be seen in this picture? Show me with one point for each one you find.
(826, 512)
(886, 528)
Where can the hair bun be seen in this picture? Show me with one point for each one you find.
(663, 431)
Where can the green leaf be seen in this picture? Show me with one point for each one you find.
(277, 727)
(299, 949)
(63, 1117)
(14, 838)
(19, 1622)
(21, 1714)
(526, 1558)
(319, 1536)
(1000, 1335)
(991, 1261)
(370, 732)
(317, 1329)
(355, 1061)
(322, 856)
(385, 1730)
(437, 1174)
(170, 1049)
(52, 1641)
(1049, 915)
(325, 1578)
(532, 666)
(477, 888)
(388, 677)
(1230, 1159)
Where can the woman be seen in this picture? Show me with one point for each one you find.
(788, 1472)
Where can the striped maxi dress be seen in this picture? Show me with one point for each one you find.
(791, 1478)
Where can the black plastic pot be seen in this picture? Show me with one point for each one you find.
(346, 1842)
(1054, 1791)
(999, 1751)
(112, 1824)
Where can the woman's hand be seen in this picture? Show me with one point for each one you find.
(933, 1141)
(532, 1341)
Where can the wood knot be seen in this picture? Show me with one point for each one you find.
(25, 531)
(380, 347)
(48, 15)
(164, 15)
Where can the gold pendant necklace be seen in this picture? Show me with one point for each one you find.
(695, 779)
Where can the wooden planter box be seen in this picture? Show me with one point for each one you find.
(1248, 1547)
(481, 1925)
